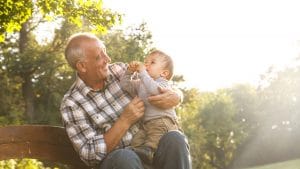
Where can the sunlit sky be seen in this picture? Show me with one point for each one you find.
(218, 43)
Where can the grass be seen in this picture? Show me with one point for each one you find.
(291, 164)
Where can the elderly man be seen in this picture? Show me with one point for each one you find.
(100, 118)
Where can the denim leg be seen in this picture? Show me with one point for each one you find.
(173, 152)
(122, 159)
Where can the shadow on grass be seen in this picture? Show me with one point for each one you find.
(291, 164)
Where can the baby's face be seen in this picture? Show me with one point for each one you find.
(155, 65)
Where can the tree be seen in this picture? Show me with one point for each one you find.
(190, 123)
(217, 119)
(14, 14)
(53, 76)
(246, 101)
(276, 134)
(130, 44)
(22, 58)
(221, 115)
(11, 106)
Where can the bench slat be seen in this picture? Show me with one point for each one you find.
(42, 142)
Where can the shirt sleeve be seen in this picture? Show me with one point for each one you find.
(151, 85)
(118, 69)
(128, 84)
(86, 140)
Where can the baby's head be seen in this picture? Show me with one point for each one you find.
(159, 64)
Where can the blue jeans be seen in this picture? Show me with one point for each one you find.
(172, 153)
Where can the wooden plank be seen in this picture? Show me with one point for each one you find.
(42, 142)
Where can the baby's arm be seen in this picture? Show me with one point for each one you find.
(127, 83)
(151, 85)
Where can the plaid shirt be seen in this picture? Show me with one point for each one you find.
(88, 114)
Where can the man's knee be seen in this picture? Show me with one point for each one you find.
(123, 158)
(172, 143)
(173, 152)
(124, 155)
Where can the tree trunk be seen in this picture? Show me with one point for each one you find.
(27, 89)
(28, 98)
(23, 37)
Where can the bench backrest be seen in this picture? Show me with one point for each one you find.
(48, 143)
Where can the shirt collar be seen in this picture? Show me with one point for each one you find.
(81, 86)
(84, 89)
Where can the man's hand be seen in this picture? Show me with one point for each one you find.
(167, 99)
(133, 111)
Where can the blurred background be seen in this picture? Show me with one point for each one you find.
(237, 63)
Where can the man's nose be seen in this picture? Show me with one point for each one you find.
(108, 59)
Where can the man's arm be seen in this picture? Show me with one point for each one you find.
(86, 140)
(166, 99)
(133, 111)
(93, 145)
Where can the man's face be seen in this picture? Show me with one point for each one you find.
(96, 61)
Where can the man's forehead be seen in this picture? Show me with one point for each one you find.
(101, 44)
(95, 45)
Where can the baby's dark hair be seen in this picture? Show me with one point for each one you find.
(168, 62)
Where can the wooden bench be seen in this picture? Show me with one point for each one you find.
(48, 143)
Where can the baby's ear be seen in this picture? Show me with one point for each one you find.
(165, 74)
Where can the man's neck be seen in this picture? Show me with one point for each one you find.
(93, 84)
(97, 86)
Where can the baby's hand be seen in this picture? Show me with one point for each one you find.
(140, 67)
(133, 66)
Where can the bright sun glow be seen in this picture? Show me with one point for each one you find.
(218, 43)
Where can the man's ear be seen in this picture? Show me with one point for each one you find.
(80, 66)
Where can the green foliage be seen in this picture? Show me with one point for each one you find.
(23, 164)
(280, 96)
(79, 12)
(10, 98)
(273, 126)
(89, 12)
(31, 66)
(36, 63)
(13, 14)
(128, 45)
(246, 99)
(187, 113)
(218, 120)
(216, 123)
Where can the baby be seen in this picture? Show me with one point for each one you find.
(152, 75)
